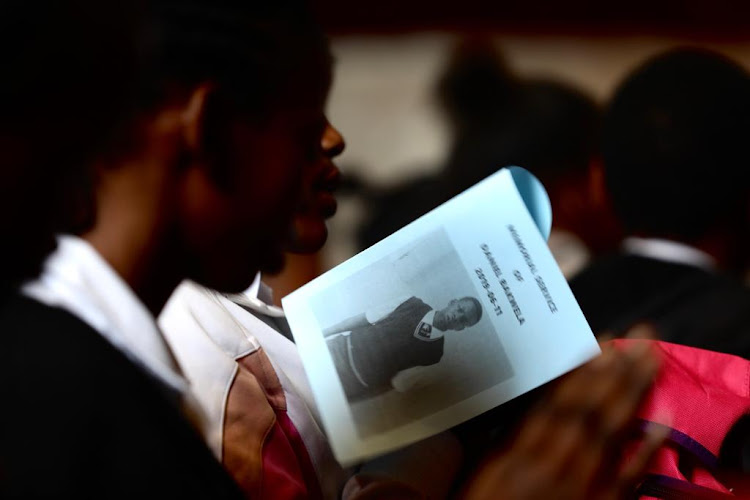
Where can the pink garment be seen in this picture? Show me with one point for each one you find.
(699, 395)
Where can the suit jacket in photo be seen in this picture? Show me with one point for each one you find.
(379, 351)
(394, 344)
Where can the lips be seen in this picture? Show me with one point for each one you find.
(308, 232)
(326, 204)
(329, 179)
(322, 201)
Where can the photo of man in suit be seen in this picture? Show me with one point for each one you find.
(382, 349)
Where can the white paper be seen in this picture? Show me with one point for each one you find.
(484, 244)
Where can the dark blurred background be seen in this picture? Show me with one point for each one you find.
(391, 56)
(695, 18)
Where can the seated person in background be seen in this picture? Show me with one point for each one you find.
(71, 425)
(378, 351)
(202, 184)
(674, 158)
(60, 98)
(498, 119)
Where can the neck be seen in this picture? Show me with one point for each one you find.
(439, 321)
(131, 233)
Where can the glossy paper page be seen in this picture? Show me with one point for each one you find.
(455, 314)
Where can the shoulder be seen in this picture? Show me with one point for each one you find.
(35, 332)
(384, 309)
(633, 268)
(713, 315)
(94, 417)
(47, 350)
(612, 287)
(201, 324)
(415, 302)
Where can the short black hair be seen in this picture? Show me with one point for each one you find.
(476, 88)
(674, 144)
(477, 306)
(68, 79)
(258, 54)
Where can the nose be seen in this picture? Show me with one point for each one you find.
(332, 141)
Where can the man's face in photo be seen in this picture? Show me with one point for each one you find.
(461, 313)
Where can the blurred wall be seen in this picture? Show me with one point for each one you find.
(382, 97)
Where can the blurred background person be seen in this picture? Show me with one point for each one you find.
(200, 180)
(498, 119)
(675, 164)
(60, 98)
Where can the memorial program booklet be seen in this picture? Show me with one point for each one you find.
(451, 316)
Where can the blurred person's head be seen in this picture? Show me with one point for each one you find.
(546, 126)
(68, 68)
(227, 164)
(500, 119)
(561, 126)
(476, 89)
(557, 137)
(675, 153)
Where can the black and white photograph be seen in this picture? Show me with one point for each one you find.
(416, 340)
(460, 311)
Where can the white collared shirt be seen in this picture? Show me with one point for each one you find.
(669, 251)
(429, 319)
(208, 332)
(76, 278)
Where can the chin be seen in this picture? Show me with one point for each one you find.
(308, 236)
(235, 275)
(273, 265)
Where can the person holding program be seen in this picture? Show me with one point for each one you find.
(207, 182)
(203, 184)
(371, 349)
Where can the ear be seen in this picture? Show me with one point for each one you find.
(193, 117)
(207, 120)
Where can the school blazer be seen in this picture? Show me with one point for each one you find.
(80, 420)
(687, 304)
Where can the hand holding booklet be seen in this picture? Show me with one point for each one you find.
(451, 316)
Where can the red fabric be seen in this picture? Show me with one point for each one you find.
(288, 472)
(699, 393)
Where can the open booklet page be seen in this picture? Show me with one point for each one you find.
(458, 312)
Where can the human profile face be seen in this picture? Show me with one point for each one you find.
(460, 313)
(308, 231)
(279, 175)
